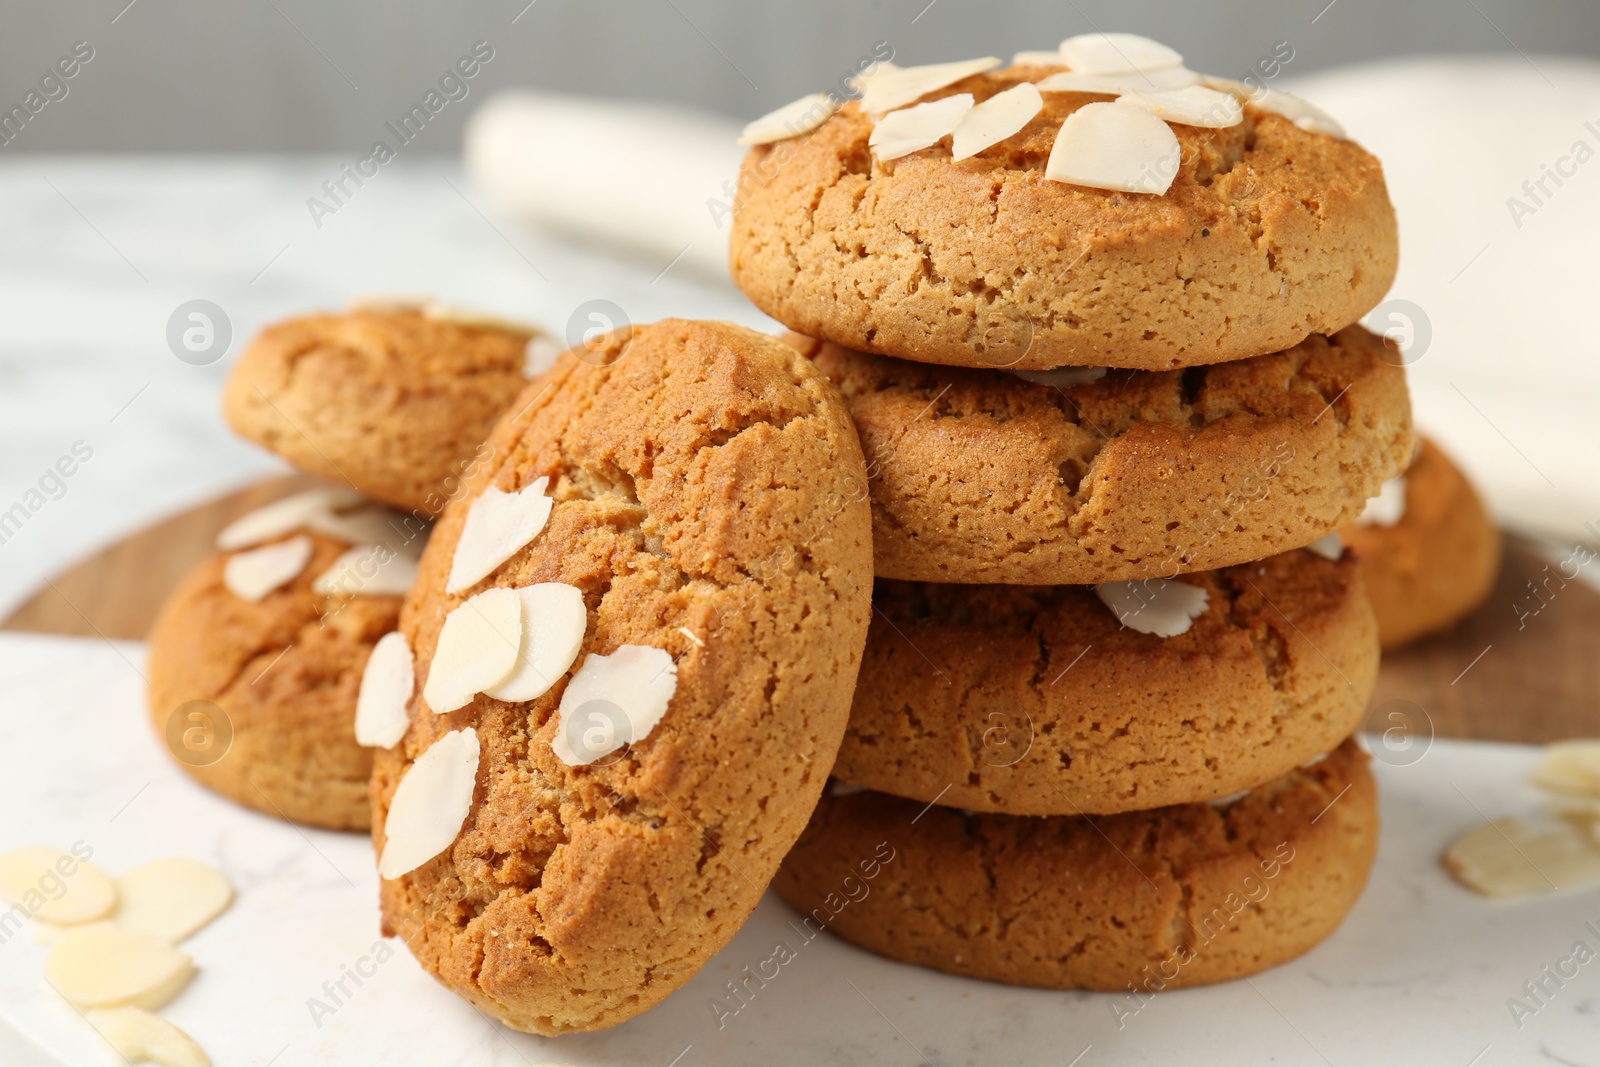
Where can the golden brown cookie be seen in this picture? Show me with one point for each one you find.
(1147, 900)
(1034, 700)
(1268, 234)
(702, 507)
(1435, 565)
(256, 699)
(390, 401)
(981, 476)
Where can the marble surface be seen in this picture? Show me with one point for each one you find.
(1420, 973)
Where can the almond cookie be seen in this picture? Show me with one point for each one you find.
(978, 476)
(566, 835)
(1271, 230)
(1428, 548)
(256, 658)
(1038, 701)
(1145, 900)
(391, 399)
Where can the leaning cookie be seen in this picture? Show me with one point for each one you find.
(1428, 548)
(392, 399)
(636, 637)
(1143, 901)
(1064, 700)
(979, 476)
(867, 231)
(256, 658)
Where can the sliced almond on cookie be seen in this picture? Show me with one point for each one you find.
(1329, 547)
(498, 526)
(1303, 113)
(1033, 58)
(171, 898)
(104, 966)
(1117, 53)
(477, 648)
(1157, 606)
(55, 886)
(1569, 767)
(1193, 106)
(915, 128)
(387, 683)
(554, 620)
(1509, 858)
(284, 516)
(997, 118)
(1388, 507)
(256, 572)
(791, 120)
(894, 87)
(139, 1036)
(613, 701)
(430, 803)
(1107, 145)
(367, 570)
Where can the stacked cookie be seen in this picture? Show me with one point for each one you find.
(257, 657)
(1093, 315)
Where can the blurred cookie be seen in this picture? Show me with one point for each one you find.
(1269, 233)
(1144, 901)
(980, 476)
(666, 556)
(256, 658)
(391, 399)
(1428, 548)
(1038, 701)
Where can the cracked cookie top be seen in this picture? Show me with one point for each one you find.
(1268, 233)
(706, 488)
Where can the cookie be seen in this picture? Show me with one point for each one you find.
(254, 695)
(699, 479)
(1033, 700)
(1434, 559)
(979, 476)
(393, 400)
(1269, 233)
(1142, 901)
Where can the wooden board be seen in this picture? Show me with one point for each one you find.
(1501, 675)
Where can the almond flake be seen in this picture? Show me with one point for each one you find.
(1389, 506)
(1194, 106)
(252, 574)
(367, 570)
(914, 128)
(1149, 81)
(1303, 113)
(1114, 146)
(102, 966)
(554, 620)
(992, 121)
(498, 526)
(1571, 767)
(1116, 53)
(791, 120)
(284, 516)
(33, 876)
(1154, 605)
(383, 701)
(477, 648)
(1062, 377)
(1038, 59)
(430, 803)
(367, 525)
(613, 701)
(139, 1036)
(1329, 547)
(171, 898)
(898, 86)
(1509, 858)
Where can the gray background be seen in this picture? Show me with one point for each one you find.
(318, 75)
